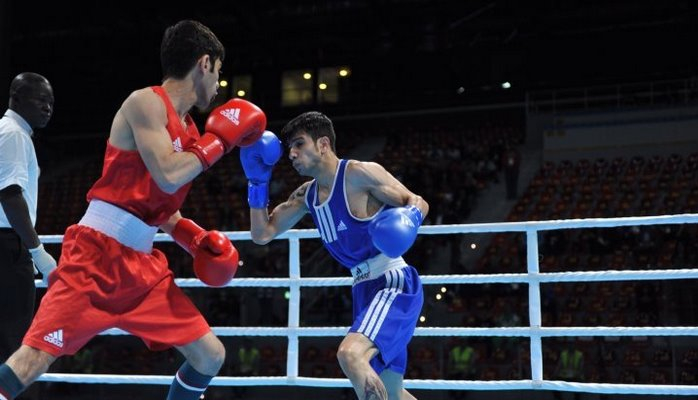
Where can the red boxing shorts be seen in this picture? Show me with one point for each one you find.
(102, 284)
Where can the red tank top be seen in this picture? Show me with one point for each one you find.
(126, 182)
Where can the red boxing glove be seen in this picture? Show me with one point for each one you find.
(215, 257)
(235, 123)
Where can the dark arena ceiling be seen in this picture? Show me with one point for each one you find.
(414, 50)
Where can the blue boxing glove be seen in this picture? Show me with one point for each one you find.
(394, 230)
(257, 160)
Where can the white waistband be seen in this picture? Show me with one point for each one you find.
(376, 267)
(120, 225)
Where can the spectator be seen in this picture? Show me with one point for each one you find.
(461, 364)
(507, 317)
(247, 364)
(248, 359)
(570, 366)
(554, 243)
(512, 164)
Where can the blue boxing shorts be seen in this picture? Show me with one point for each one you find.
(386, 310)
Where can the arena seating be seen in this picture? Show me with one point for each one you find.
(452, 165)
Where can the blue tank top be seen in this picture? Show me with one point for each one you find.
(344, 236)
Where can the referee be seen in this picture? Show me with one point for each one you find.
(31, 105)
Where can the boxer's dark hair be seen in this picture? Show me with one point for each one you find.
(183, 44)
(314, 123)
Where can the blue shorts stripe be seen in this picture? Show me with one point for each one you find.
(395, 287)
(379, 324)
(372, 307)
(380, 301)
(386, 311)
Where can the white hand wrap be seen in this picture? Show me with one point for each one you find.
(43, 261)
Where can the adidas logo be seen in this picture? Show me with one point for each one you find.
(233, 114)
(360, 275)
(177, 144)
(55, 338)
(341, 226)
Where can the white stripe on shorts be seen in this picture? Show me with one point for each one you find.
(381, 303)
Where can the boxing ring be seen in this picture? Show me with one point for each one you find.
(534, 331)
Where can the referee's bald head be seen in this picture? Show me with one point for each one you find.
(26, 81)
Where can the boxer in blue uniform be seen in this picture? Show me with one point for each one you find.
(367, 220)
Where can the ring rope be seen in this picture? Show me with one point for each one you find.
(535, 332)
(524, 384)
(545, 277)
(472, 228)
(447, 331)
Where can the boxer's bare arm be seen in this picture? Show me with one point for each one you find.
(169, 225)
(265, 227)
(383, 186)
(141, 124)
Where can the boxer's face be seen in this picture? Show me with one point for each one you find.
(209, 83)
(304, 154)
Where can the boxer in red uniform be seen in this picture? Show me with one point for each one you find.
(108, 274)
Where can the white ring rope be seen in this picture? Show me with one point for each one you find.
(432, 384)
(474, 228)
(534, 331)
(546, 277)
(446, 331)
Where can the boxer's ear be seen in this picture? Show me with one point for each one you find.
(323, 144)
